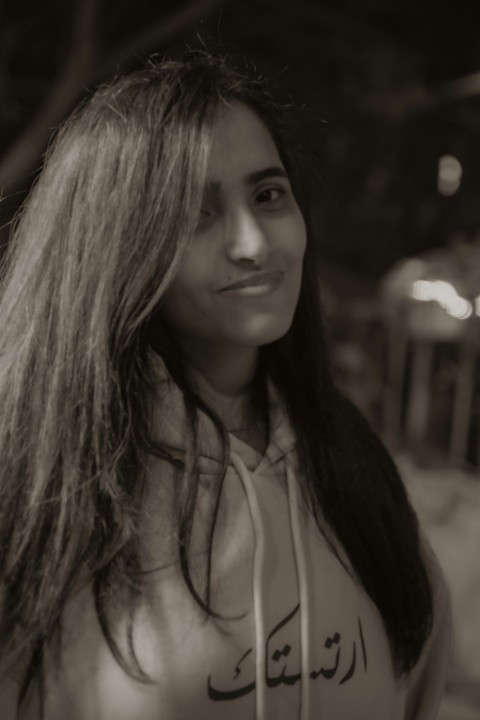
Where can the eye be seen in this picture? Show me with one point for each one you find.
(204, 212)
(271, 197)
(204, 217)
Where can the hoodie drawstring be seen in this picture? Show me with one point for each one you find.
(258, 570)
(302, 575)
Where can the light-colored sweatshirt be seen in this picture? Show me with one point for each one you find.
(302, 640)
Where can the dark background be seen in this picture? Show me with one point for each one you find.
(385, 84)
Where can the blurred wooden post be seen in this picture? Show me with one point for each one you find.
(463, 403)
(419, 394)
(397, 342)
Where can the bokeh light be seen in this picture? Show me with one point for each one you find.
(449, 175)
(445, 294)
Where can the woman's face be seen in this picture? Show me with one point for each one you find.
(239, 279)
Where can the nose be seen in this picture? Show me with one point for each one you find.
(246, 240)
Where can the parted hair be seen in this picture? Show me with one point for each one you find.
(90, 258)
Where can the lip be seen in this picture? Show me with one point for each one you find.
(257, 284)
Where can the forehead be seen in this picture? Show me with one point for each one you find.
(241, 145)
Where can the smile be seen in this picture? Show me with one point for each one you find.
(255, 285)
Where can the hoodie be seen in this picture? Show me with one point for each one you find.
(296, 637)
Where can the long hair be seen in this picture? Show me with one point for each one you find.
(92, 255)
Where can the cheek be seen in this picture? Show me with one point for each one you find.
(301, 236)
(293, 239)
(186, 303)
(179, 302)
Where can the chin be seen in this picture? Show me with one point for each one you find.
(264, 333)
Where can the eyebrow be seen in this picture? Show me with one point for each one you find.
(275, 171)
(253, 178)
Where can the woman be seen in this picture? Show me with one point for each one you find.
(194, 522)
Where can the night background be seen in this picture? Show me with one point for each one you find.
(385, 85)
(388, 93)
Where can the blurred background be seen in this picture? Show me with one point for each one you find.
(390, 98)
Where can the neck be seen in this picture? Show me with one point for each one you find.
(224, 381)
(226, 371)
